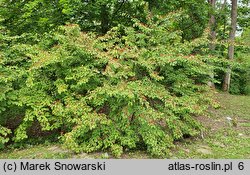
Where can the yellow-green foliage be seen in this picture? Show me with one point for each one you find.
(133, 87)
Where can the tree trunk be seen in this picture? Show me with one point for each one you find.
(104, 19)
(227, 78)
(212, 36)
(224, 18)
(152, 4)
(212, 27)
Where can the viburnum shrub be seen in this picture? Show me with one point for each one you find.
(134, 87)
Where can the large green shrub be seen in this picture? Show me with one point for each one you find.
(134, 86)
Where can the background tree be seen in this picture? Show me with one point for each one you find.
(227, 78)
(212, 35)
(243, 14)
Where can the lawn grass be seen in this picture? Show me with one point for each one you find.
(41, 151)
(223, 138)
